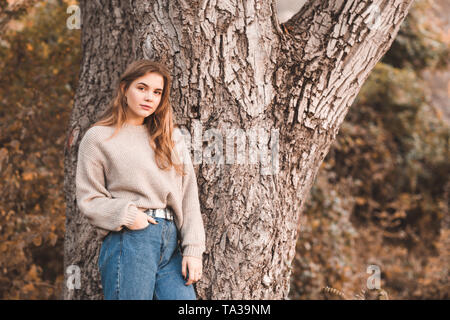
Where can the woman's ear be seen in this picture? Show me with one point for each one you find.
(124, 93)
(122, 89)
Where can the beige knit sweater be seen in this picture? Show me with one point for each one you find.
(116, 178)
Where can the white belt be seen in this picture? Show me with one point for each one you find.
(165, 213)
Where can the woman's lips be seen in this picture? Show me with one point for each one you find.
(145, 107)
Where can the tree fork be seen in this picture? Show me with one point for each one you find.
(234, 66)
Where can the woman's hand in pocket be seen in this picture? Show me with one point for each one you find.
(142, 221)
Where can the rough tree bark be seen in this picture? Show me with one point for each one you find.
(234, 66)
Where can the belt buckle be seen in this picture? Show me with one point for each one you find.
(167, 214)
(152, 213)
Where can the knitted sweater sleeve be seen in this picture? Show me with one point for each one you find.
(192, 231)
(93, 199)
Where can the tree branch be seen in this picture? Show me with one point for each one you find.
(332, 47)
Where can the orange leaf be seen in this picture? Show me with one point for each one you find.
(27, 176)
(37, 241)
(3, 247)
(53, 238)
(28, 288)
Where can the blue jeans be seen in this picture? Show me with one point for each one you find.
(143, 264)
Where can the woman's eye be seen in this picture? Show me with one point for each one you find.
(141, 88)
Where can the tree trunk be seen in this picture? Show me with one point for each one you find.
(234, 67)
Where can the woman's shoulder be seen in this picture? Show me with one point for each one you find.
(181, 139)
(96, 133)
(99, 130)
(178, 134)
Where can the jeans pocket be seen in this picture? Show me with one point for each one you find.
(144, 228)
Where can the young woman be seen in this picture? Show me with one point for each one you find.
(136, 184)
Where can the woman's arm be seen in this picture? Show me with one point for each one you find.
(93, 199)
(192, 230)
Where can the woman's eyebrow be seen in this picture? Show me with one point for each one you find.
(147, 85)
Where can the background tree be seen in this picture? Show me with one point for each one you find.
(394, 139)
(382, 194)
(234, 66)
(39, 61)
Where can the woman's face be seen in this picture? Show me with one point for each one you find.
(143, 97)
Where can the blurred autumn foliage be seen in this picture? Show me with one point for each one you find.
(39, 60)
(380, 197)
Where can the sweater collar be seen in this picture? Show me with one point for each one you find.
(131, 127)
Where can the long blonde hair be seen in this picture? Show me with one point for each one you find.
(159, 124)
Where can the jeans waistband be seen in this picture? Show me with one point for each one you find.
(166, 213)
